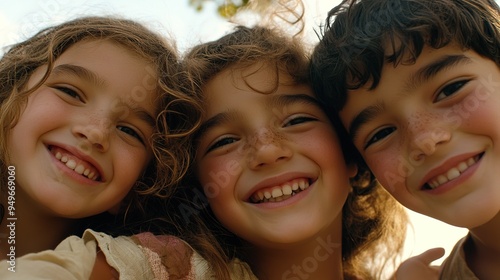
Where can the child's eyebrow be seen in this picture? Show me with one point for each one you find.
(277, 101)
(421, 76)
(84, 73)
(364, 116)
(432, 69)
(80, 72)
(283, 100)
(214, 121)
(144, 115)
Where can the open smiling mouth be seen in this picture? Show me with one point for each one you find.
(452, 173)
(280, 193)
(76, 164)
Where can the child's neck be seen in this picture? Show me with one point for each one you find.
(484, 250)
(31, 228)
(319, 258)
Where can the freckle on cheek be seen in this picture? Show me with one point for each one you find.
(267, 137)
(420, 120)
(278, 137)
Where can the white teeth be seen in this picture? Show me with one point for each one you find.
(278, 193)
(451, 174)
(71, 164)
(442, 179)
(267, 194)
(79, 169)
(462, 166)
(260, 195)
(287, 190)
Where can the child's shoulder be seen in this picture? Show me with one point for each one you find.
(141, 256)
(73, 258)
(167, 255)
(241, 270)
(171, 256)
(455, 266)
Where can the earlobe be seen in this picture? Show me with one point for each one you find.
(352, 170)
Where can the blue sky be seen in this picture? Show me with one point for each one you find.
(19, 19)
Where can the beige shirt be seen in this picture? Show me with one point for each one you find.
(142, 256)
(455, 267)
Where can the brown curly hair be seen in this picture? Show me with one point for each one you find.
(374, 224)
(177, 113)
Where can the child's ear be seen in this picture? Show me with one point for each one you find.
(352, 170)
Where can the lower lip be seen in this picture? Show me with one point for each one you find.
(457, 181)
(71, 173)
(284, 203)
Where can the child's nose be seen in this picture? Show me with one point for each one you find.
(267, 148)
(95, 132)
(425, 135)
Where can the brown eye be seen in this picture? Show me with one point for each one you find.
(222, 142)
(450, 90)
(299, 120)
(131, 132)
(379, 135)
(69, 91)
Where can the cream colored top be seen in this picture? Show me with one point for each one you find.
(142, 256)
(455, 267)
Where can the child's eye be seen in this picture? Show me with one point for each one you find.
(450, 89)
(379, 135)
(69, 91)
(221, 142)
(131, 132)
(299, 120)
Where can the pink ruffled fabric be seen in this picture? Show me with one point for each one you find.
(170, 257)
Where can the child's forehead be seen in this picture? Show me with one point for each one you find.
(108, 65)
(400, 49)
(238, 89)
(128, 48)
(433, 69)
(398, 53)
(260, 76)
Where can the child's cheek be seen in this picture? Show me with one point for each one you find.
(479, 116)
(480, 113)
(391, 168)
(218, 176)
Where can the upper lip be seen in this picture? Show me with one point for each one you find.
(445, 166)
(76, 152)
(276, 181)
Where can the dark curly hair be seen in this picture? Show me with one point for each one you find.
(358, 33)
(351, 51)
